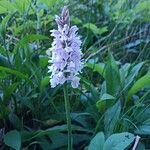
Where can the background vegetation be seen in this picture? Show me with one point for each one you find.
(114, 95)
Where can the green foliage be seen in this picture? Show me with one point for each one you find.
(13, 139)
(14, 72)
(48, 3)
(95, 29)
(111, 117)
(97, 67)
(112, 76)
(97, 142)
(101, 104)
(139, 84)
(112, 103)
(119, 141)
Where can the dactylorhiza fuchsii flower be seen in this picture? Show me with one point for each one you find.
(65, 53)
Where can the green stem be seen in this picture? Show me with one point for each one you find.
(67, 108)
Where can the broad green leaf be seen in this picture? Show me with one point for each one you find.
(13, 139)
(111, 117)
(141, 114)
(95, 29)
(14, 72)
(107, 96)
(97, 142)
(29, 38)
(133, 73)
(101, 104)
(112, 76)
(124, 72)
(143, 130)
(94, 93)
(27, 136)
(103, 88)
(50, 131)
(119, 141)
(103, 30)
(138, 85)
(97, 67)
(92, 27)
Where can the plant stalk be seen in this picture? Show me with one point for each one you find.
(67, 108)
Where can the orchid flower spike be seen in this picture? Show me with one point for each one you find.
(65, 53)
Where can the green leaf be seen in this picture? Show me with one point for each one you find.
(3, 25)
(133, 73)
(8, 92)
(141, 146)
(101, 104)
(97, 68)
(29, 38)
(142, 6)
(14, 72)
(15, 121)
(107, 96)
(45, 81)
(112, 76)
(138, 85)
(143, 130)
(2, 9)
(2, 50)
(95, 29)
(6, 6)
(103, 30)
(4, 110)
(76, 20)
(119, 141)
(92, 27)
(111, 117)
(43, 61)
(49, 3)
(25, 101)
(50, 131)
(22, 6)
(4, 61)
(97, 142)
(13, 139)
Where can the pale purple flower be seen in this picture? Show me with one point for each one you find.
(65, 53)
